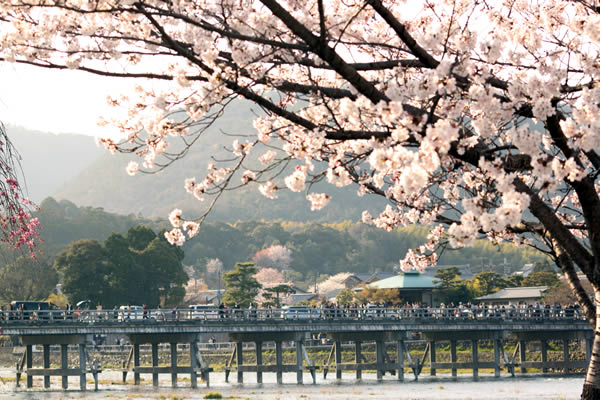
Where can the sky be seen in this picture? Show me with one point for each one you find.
(56, 101)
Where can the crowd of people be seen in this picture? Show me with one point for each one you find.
(467, 310)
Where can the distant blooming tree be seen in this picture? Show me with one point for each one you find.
(478, 118)
(269, 277)
(273, 257)
(214, 266)
(332, 283)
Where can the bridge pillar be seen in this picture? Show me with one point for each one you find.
(136, 363)
(154, 363)
(379, 345)
(566, 354)
(453, 357)
(496, 357)
(173, 364)
(82, 381)
(259, 377)
(29, 363)
(589, 344)
(474, 351)
(432, 357)
(338, 359)
(279, 361)
(240, 361)
(358, 358)
(64, 364)
(193, 365)
(544, 355)
(400, 354)
(299, 372)
(47, 364)
(523, 354)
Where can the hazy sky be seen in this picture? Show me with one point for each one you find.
(55, 101)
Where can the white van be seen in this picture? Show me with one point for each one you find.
(204, 311)
(131, 313)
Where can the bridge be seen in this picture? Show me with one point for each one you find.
(381, 327)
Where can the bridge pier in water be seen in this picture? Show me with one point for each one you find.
(25, 366)
(197, 363)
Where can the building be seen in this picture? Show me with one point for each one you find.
(414, 287)
(516, 295)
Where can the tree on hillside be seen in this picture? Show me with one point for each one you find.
(450, 288)
(273, 257)
(541, 279)
(485, 283)
(241, 287)
(27, 279)
(118, 273)
(464, 115)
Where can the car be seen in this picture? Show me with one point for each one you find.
(204, 311)
(301, 312)
(131, 313)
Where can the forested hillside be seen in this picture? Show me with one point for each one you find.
(317, 249)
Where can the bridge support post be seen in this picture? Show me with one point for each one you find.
(496, 357)
(474, 351)
(432, 357)
(240, 361)
(379, 345)
(589, 343)
(523, 354)
(174, 364)
(453, 357)
(338, 359)
(193, 365)
(299, 372)
(544, 355)
(154, 364)
(64, 364)
(46, 365)
(29, 364)
(566, 354)
(279, 361)
(400, 359)
(136, 363)
(358, 358)
(259, 377)
(82, 381)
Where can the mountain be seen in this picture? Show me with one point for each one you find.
(48, 161)
(105, 184)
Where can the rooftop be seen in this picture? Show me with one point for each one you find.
(405, 280)
(529, 292)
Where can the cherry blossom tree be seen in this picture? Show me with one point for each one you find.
(19, 228)
(273, 257)
(333, 282)
(480, 119)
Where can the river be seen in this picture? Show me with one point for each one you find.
(441, 387)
